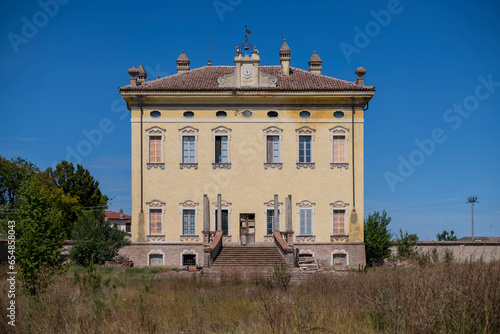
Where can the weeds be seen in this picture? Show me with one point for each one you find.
(432, 298)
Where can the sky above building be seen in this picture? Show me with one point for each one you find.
(431, 131)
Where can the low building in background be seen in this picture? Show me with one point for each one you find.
(121, 220)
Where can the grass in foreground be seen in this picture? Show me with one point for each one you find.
(452, 298)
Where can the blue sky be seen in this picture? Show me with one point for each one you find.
(61, 70)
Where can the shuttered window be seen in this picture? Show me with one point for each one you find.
(339, 222)
(155, 221)
(188, 149)
(155, 149)
(339, 149)
(305, 222)
(221, 149)
(273, 149)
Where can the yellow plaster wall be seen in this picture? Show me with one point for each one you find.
(247, 185)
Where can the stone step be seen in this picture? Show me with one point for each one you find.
(248, 256)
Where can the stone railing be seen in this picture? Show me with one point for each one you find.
(284, 248)
(208, 237)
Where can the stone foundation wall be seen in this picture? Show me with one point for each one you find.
(139, 253)
(462, 250)
(324, 253)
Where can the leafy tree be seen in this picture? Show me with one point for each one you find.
(445, 236)
(95, 240)
(377, 237)
(40, 233)
(12, 175)
(406, 244)
(76, 182)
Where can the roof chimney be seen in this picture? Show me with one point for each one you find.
(141, 76)
(360, 72)
(182, 63)
(285, 58)
(315, 63)
(121, 213)
(133, 73)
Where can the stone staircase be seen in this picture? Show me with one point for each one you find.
(248, 256)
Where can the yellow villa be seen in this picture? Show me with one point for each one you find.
(238, 165)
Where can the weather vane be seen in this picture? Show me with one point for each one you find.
(247, 45)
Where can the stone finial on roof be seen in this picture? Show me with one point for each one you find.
(360, 71)
(182, 62)
(142, 75)
(285, 50)
(133, 73)
(285, 58)
(315, 63)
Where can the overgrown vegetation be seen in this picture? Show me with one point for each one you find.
(94, 240)
(435, 298)
(406, 245)
(377, 237)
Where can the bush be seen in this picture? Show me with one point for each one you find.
(95, 240)
(406, 244)
(377, 237)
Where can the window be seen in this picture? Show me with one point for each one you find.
(188, 152)
(225, 221)
(155, 114)
(189, 218)
(305, 222)
(270, 222)
(188, 222)
(221, 114)
(247, 114)
(155, 138)
(155, 221)
(338, 138)
(128, 227)
(221, 137)
(272, 137)
(221, 149)
(188, 114)
(269, 213)
(305, 114)
(338, 222)
(272, 114)
(339, 259)
(188, 259)
(338, 114)
(155, 213)
(188, 137)
(305, 151)
(156, 259)
(305, 211)
(339, 211)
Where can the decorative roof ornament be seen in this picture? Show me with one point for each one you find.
(247, 45)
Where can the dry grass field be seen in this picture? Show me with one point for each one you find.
(441, 298)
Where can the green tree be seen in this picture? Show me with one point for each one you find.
(445, 236)
(95, 241)
(377, 237)
(406, 244)
(77, 182)
(40, 234)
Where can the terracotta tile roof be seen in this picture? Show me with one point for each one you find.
(112, 215)
(205, 79)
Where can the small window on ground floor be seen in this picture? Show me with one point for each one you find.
(339, 259)
(189, 259)
(156, 259)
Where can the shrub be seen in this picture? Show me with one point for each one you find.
(377, 237)
(95, 240)
(406, 244)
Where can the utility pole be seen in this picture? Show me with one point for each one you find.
(472, 200)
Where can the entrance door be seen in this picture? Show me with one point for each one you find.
(247, 229)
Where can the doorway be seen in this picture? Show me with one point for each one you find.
(247, 229)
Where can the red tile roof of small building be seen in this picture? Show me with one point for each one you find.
(112, 215)
(205, 79)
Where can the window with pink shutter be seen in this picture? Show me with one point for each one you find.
(155, 221)
(155, 149)
(339, 222)
(339, 149)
